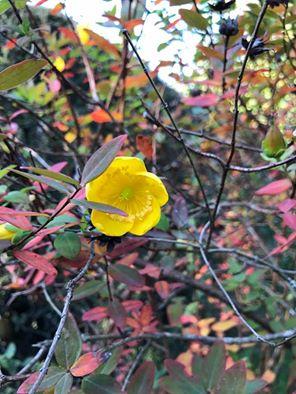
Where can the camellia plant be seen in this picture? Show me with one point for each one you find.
(147, 197)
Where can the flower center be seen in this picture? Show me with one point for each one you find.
(127, 193)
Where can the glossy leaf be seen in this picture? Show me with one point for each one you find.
(69, 346)
(97, 206)
(86, 364)
(68, 245)
(100, 384)
(36, 261)
(19, 73)
(142, 381)
(101, 159)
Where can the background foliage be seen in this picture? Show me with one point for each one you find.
(206, 301)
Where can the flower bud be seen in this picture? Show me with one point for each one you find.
(228, 27)
(5, 234)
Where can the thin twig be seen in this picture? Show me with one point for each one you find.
(70, 290)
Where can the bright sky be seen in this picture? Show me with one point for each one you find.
(90, 13)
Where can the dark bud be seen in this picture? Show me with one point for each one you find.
(258, 47)
(221, 5)
(276, 3)
(109, 242)
(228, 27)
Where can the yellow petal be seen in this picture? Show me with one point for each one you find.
(155, 186)
(4, 233)
(110, 225)
(129, 164)
(100, 188)
(150, 220)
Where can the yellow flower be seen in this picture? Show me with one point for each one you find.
(127, 185)
(4, 233)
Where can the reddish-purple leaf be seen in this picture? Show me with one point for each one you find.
(180, 212)
(290, 220)
(117, 313)
(287, 205)
(36, 261)
(127, 275)
(274, 188)
(27, 384)
(95, 314)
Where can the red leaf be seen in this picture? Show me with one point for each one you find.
(40, 2)
(127, 246)
(36, 261)
(27, 384)
(86, 364)
(144, 144)
(274, 188)
(204, 100)
(163, 289)
(101, 116)
(95, 314)
(290, 220)
(129, 25)
(11, 216)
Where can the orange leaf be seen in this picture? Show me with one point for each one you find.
(144, 144)
(103, 43)
(209, 52)
(86, 364)
(163, 289)
(129, 25)
(139, 80)
(58, 8)
(101, 116)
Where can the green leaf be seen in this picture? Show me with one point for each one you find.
(254, 386)
(196, 365)
(273, 144)
(6, 170)
(164, 223)
(142, 381)
(68, 245)
(101, 159)
(100, 384)
(233, 381)
(109, 366)
(5, 5)
(19, 73)
(64, 385)
(126, 275)
(98, 207)
(54, 374)
(54, 175)
(213, 366)
(87, 289)
(16, 197)
(179, 2)
(41, 179)
(69, 346)
(193, 19)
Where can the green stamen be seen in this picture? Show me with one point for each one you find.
(126, 193)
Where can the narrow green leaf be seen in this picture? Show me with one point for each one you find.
(6, 170)
(97, 206)
(193, 19)
(64, 385)
(41, 179)
(101, 159)
(19, 73)
(69, 346)
(88, 289)
(68, 245)
(100, 384)
(54, 175)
